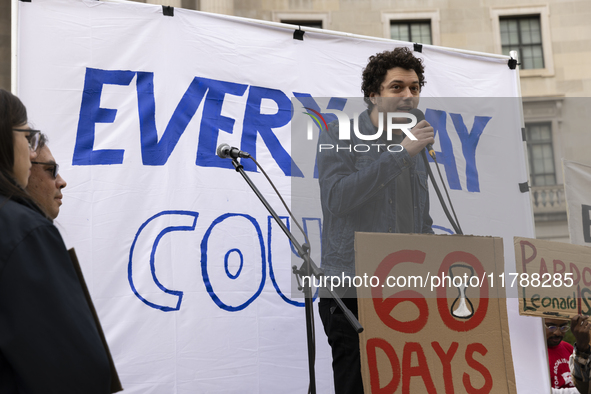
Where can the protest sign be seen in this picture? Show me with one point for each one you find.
(422, 332)
(553, 278)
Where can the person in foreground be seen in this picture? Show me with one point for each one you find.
(48, 339)
(559, 353)
(580, 366)
(45, 183)
(374, 191)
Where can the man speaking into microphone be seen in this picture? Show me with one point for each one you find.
(379, 190)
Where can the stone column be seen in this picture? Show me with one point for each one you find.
(5, 35)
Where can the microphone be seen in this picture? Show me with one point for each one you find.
(420, 116)
(224, 151)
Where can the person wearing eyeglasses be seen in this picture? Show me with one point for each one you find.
(45, 183)
(49, 342)
(380, 190)
(559, 353)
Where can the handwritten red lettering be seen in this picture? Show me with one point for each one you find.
(384, 307)
(577, 274)
(587, 276)
(543, 267)
(525, 260)
(374, 378)
(446, 363)
(422, 369)
(559, 267)
(488, 381)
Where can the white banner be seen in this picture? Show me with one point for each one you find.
(191, 279)
(577, 190)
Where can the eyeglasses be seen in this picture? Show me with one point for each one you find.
(564, 328)
(33, 137)
(55, 170)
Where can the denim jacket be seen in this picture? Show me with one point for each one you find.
(357, 192)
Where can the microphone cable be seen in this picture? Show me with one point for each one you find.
(429, 148)
(454, 223)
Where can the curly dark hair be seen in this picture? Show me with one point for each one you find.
(379, 64)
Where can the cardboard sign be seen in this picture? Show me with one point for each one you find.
(553, 278)
(427, 335)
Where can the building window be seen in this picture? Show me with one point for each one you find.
(525, 30)
(524, 35)
(307, 23)
(412, 26)
(541, 154)
(318, 20)
(411, 31)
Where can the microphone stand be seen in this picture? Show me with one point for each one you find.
(454, 223)
(308, 268)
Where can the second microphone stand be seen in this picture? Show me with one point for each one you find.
(307, 269)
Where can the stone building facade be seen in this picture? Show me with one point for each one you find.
(553, 38)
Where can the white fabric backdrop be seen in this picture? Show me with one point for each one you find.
(188, 275)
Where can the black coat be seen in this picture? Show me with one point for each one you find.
(49, 342)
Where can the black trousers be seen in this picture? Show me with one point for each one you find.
(344, 342)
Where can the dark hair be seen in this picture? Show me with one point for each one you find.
(379, 64)
(43, 140)
(12, 114)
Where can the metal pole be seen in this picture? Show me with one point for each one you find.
(13, 46)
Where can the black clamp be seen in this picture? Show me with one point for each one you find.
(298, 34)
(513, 64)
(418, 47)
(523, 187)
(167, 10)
